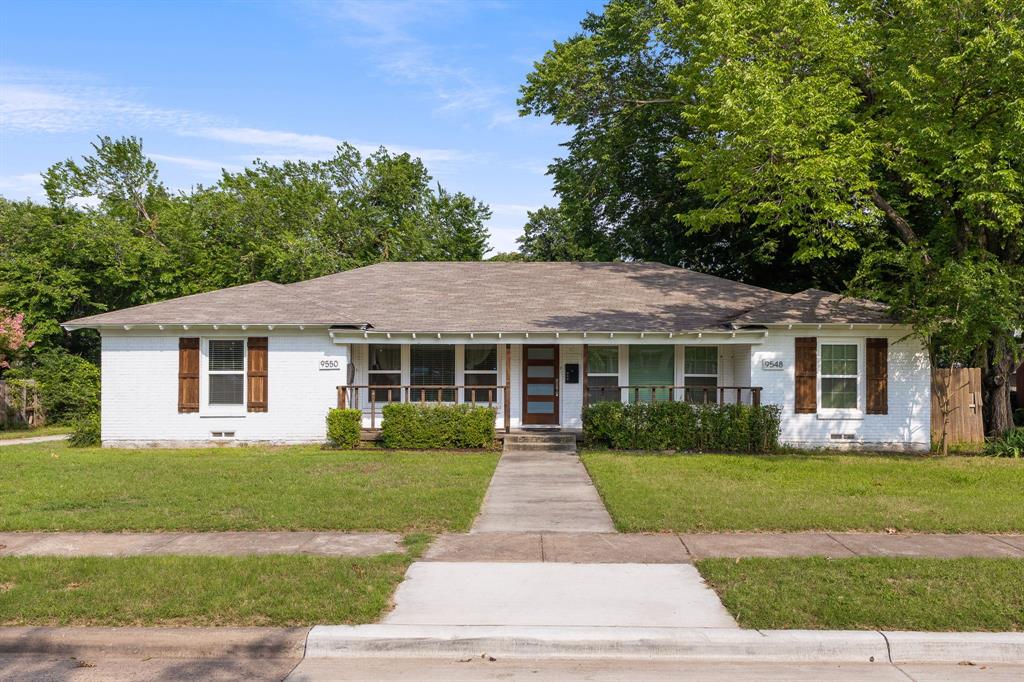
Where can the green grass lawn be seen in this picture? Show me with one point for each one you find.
(49, 486)
(871, 593)
(695, 493)
(191, 590)
(9, 434)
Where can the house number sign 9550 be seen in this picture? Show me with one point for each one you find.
(329, 364)
(771, 365)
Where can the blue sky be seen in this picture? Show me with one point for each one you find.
(209, 85)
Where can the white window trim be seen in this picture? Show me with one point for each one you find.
(715, 375)
(843, 413)
(461, 372)
(205, 408)
(370, 372)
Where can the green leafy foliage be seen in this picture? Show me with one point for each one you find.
(69, 385)
(86, 433)
(1010, 445)
(682, 426)
(344, 427)
(412, 426)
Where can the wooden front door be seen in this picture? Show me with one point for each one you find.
(540, 384)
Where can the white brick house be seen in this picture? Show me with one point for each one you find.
(537, 341)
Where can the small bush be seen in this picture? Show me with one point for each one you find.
(413, 426)
(343, 428)
(86, 431)
(682, 426)
(1010, 445)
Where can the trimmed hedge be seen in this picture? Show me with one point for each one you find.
(412, 426)
(682, 426)
(343, 427)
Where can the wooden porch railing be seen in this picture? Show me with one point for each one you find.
(692, 394)
(364, 396)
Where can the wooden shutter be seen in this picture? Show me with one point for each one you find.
(188, 375)
(878, 376)
(806, 372)
(256, 375)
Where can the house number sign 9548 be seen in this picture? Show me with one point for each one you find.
(329, 364)
(771, 365)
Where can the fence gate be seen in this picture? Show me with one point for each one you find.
(19, 405)
(962, 388)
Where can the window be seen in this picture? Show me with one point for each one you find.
(226, 372)
(385, 370)
(651, 366)
(481, 370)
(603, 374)
(432, 365)
(839, 376)
(701, 372)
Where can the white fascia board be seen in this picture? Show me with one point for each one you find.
(596, 338)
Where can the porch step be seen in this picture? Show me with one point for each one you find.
(553, 442)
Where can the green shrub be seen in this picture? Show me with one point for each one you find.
(69, 386)
(343, 428)
(413, 426)
(86, 431)
(1010, 445)
(682, 426)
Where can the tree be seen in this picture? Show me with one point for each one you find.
(618, 184)
(843, 128)
(113, 236)
(12, 337)
(549, 236)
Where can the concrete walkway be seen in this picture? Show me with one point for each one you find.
(32, 439)
(208, 544)
(538, 594)
(542, 491)
(668, 548)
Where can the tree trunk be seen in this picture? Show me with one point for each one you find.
(997, 374)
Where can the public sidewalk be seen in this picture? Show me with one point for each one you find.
(207, 544)
(33, 439)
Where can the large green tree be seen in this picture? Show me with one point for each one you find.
(888, 132)
(112, 235)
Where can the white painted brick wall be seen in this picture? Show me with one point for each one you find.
(907, 426)
(140, 391)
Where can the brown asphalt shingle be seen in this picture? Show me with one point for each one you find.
(502, 297)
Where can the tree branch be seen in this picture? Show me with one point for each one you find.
(902, 226)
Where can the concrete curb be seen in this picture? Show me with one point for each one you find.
(155, 642)
(707, 644)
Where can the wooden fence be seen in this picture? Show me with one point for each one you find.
(20, 406)
(964, 422)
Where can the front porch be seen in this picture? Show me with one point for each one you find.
(543, 385)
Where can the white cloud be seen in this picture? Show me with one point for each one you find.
(269, 138)
(59, 102)
(203, 165)
(388, 33)
(22, 186)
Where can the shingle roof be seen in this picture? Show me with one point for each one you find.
(502, 297)
(256, 303)
(814, 306)
(524, 297)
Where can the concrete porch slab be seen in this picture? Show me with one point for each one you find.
(763, 545)
(937, 546)
(552, 594)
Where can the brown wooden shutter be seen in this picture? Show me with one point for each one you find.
(806, 372)
(257, 374)
(188, 375)
(878, 376)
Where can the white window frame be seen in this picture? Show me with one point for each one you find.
(205, 408)
(713, 394)
(856, 412)
(481, 397)
(617, 374)
(400, 372)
